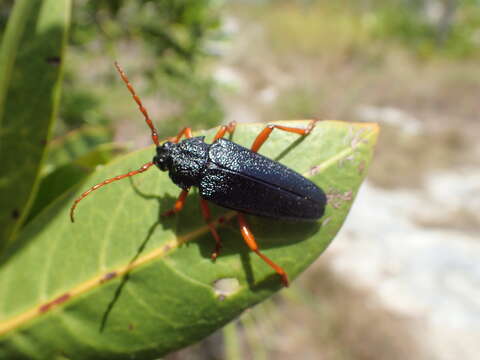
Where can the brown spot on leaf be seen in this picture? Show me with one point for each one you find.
(337, 198)
(45, 307)
(59, 300)
(357, 138)
(342, 162)
(314, 170)
(166, 248)
(108, 276)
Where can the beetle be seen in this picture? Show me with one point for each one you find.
(231, 176)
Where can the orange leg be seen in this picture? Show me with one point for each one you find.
(106, 182)
(250, 240)
(207, 217)
(225, 128)
(178, 204)
(263, 136)
(186, 131)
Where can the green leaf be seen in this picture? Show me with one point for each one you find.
(123, 282)
(63, 177)
(10, 44)
(74, 145)
(70, 160)
(30, 76)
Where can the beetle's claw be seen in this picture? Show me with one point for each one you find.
(310, 126)
(215, 253)
(285, 281)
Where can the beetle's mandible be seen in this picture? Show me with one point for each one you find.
(231, 176)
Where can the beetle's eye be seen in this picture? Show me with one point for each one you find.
(161, 162)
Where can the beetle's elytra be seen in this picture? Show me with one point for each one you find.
(230, 176)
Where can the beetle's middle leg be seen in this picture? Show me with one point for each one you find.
(178, 206)
(207, 216)
(252, 244)
(263, 136)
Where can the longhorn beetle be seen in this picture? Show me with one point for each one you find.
(231, 176)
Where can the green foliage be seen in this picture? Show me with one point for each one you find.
(301, 101)
(80, 105)
(174, 35)
(315, 28)
(123, 281)
(200, 107)
(5, 10)
(31, 61)
(172, 29)
(452, 32)
(70, 159)
(75, 145)
(344, 27)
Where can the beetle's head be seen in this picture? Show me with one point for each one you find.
(163, 159)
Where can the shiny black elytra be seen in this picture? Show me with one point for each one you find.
(231, 176)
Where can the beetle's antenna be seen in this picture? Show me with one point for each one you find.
(106, 182)
(139, 103)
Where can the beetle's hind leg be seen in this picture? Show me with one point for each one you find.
(208, 218)
(263, 136)
(252, 244)
(230, 128)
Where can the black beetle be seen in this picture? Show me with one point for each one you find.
(231, 176)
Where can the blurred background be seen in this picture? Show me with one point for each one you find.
(402, 278)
